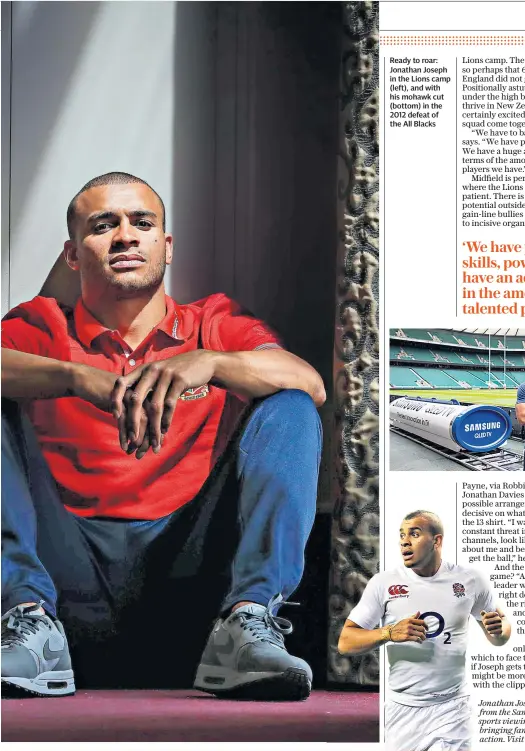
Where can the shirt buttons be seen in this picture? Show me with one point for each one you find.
(132, 362)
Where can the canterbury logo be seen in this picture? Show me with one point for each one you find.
(198, 393)
(397, 589)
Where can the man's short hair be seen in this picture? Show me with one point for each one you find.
(110, 178)
(434, 522)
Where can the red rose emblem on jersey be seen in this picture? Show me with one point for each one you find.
(397, 590)
(196, 393)
(459, 590)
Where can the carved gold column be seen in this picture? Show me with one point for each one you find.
(355, 526)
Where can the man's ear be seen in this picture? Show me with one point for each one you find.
(169, 248)
(70, 254)
(63, 282)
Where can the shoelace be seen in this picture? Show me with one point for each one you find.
(268, 627)
(18, 625)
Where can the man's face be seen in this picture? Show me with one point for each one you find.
(419, 547)
(119, 243)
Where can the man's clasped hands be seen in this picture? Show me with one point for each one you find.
(143, 402)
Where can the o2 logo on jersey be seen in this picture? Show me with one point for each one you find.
(440, 627)
(398, 590)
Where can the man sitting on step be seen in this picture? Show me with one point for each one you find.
(160, 466)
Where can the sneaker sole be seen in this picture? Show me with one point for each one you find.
(53, 683)
(292, 685)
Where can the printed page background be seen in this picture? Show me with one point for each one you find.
(421, 240)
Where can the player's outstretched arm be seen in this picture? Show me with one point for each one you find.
(496, 627)
(355, 640)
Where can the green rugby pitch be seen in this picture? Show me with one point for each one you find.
(494, 397)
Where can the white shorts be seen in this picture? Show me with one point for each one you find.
(434, 727)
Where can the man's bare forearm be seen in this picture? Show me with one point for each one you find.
(263, 372)
(26, 376)
(520, 413)
(358, 641)
(500, 640)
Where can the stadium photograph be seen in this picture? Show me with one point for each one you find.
(453, 397)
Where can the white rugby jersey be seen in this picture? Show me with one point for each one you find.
(433, 671)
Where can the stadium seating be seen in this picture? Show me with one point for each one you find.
(497, 379)
(400, 353)
(401, 378)
(463, 358)
(460, 338)
(511, 381)
(465, 376)
(484, 379)
(467, 365)
(413, 354)
(496, 360)
(433, 354)
(422, 335)
(438, 378)
(517, 361)
(510, 342)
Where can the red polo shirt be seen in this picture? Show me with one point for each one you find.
(80, 442)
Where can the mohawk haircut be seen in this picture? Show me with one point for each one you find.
(434, 522)
(109, 178)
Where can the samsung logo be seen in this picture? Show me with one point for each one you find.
(482, 426)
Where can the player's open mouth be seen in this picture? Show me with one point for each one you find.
(407, 554)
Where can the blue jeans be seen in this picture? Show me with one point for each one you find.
(241, 538)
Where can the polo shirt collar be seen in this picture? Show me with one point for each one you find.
(88, 328)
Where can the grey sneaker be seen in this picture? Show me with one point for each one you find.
(35, 655)
(245, 657)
